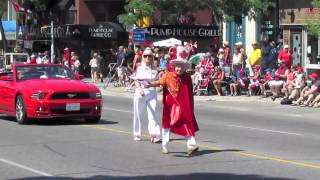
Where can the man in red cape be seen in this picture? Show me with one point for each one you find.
(178, 104)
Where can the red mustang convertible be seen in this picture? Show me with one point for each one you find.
(48, 91)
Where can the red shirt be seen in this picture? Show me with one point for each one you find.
(286, 57)
(227, 55)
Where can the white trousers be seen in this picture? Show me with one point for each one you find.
(141, 104)
(191, 141)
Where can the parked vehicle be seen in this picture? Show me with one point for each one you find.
(14, 58)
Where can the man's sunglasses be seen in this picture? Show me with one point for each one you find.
(147, 56)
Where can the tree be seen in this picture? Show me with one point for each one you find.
(136, 10)
(221, 10)
(313, 21)
(3, 8)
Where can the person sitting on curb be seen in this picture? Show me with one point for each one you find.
(310, 92)
(218, 79)
(280, 76)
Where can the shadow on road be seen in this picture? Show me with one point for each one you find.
(203, 152)
(57, 121)
(171, 177)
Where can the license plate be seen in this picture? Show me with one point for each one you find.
(73, 107)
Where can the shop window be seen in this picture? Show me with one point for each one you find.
(313, 56)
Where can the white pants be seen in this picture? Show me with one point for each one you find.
(141, 104)
(191, 141)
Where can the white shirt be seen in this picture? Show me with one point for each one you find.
(236, 58)
(146, 73)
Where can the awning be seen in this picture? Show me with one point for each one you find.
(9, 26)
(105, 30)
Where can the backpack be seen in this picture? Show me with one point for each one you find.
(286, 101)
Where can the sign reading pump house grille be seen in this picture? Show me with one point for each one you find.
(184, 31)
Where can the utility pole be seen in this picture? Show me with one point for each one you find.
(52, 44)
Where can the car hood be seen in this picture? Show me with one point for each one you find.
(57, 85)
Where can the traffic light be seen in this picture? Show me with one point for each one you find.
(144, 22)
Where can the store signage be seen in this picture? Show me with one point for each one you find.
(184, 31)
(102, 31)
(267, 28)
(138, 35)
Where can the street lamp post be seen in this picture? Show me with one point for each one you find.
(52, 43)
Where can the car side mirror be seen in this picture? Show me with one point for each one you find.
(6, 78)
(79, 76)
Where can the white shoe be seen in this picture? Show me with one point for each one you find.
(165, 150)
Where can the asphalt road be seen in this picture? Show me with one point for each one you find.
(238, 140)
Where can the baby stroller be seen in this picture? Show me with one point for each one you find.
(201, 82)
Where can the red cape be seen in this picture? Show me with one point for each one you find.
(187, 124)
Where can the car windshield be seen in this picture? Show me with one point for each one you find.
(43, 72)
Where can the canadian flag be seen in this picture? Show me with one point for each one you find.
(18, 8)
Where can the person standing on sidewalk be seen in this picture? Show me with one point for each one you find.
(178, 103)
(145, 98)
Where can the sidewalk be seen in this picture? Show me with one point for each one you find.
(123, 92)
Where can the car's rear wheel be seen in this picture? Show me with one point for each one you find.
(21, 114)
(93, 120)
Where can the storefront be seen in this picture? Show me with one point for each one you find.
(304, 47)
(82, 38)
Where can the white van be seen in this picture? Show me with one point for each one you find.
(14, 58)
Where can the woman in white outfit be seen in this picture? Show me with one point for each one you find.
(145, 98)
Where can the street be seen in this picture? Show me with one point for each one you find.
(237, 140)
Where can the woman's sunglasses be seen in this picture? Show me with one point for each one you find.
(147, 56)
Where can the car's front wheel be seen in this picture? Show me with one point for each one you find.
(21, 114)
(93, 120)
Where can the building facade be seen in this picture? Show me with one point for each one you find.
(304, 46)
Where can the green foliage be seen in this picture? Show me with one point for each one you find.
(40, 5)
(136, 9)
(221, 9)
(3, 6)
(313, 23)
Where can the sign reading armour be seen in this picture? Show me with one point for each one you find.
(184, 31)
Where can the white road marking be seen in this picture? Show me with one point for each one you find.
(119, 110)
(293, 115)
(25, 167)
(265, 130)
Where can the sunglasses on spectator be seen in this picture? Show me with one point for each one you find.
(147, 56)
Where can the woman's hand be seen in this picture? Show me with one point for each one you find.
(141, 92)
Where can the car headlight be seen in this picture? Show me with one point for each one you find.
(38, 95)
(95, 95)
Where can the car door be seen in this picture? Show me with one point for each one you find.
(8, 95)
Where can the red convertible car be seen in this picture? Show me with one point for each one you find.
(47, 91)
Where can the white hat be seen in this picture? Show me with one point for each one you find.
(239, 43)
(182, 57)
(226, 43)
(286, 47)
(221, 50)
(147, 51)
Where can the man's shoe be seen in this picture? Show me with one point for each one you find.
(155, 140)
(165, 150)
(192, 149)
(137, 138)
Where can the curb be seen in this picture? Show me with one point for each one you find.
(121, 91)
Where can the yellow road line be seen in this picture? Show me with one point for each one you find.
(246, 154)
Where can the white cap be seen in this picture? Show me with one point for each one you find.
(147, 51)
(286, 47)
(221, 50)
(239, 43)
